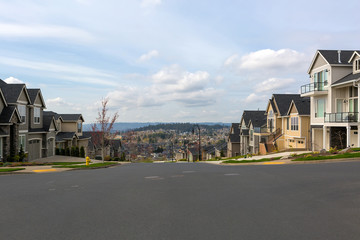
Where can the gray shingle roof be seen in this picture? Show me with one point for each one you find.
(12, 92)
(7, 113)
(47, 120)
(331, 56)
(33, 93)
(248, 114)
(235, 137)
(303, 106)
(70, 117)
(61, 136)
(283, 101)
(348, 78)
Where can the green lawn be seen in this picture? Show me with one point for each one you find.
(252, 161)
(10, 169)
(338, 156)
(64, 163)
(94, 165)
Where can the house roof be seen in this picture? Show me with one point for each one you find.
(331, 56)
(12, 91)
(61, 136)
(71, 117)
(258, 122)
(47, 120)
(235, 137)
(249, 114)
(302, 106)
(7, 114)
(347, 79)
(353, 55)
(33, 93)
(283, 101)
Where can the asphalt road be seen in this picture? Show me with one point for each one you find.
(184, 201)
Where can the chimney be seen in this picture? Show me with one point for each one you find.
(339, 54)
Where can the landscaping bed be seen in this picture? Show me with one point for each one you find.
(251, 161)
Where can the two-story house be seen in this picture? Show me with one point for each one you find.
(297, 129)
(233, 141)
(247, 136)
(70, 130)
(333, 90)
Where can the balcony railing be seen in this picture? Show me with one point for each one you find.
(342, 117)
(312, 87)
(262, 130)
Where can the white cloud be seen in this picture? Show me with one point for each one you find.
(268, 59)
(149, 3)
(57, 102)
(254, 98)
(171, 84)
(273, 84)
(149, 55)
(74, 73)
(13, 80)
(44, 31)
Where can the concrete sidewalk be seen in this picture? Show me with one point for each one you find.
(257, 157)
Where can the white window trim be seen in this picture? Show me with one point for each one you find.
(35, 115)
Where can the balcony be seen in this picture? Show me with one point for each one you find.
(313, 89)
(343, 117)
(263, 130)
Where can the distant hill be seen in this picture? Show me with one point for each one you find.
(125, 126)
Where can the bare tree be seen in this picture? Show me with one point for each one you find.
(102, 134)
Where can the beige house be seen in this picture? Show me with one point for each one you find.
(233, 141)
(334, 90)
(297, 129)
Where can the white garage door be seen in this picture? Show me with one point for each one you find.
(34, 149)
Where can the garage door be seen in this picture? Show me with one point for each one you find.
(50, 147)
(34, 149)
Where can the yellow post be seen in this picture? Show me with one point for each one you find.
(87, 161)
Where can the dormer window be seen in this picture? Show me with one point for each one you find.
(79, 127)
(357, 65)
(22, 112)
(37, 115)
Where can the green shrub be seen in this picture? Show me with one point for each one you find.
(62, 152)
(21, 154)
(82, 152)
(57, 151)
(98, 157)
(73, 151)
(77, 152)
(107, 158)
(116, 159)
(67, 151)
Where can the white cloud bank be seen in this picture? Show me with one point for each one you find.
(12, 80)
(149, 55)
(273, 84)
(172, 84)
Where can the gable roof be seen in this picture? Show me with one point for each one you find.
(283, 101)
(71, 117)
(258, 122)
(235, 137)
(353, 55)
(12, 91)
(331, 57)
(347, 79)
(302, 106)
(7, 114)
(47, 120)
(33, 93)
(252, 114)
(62, 136)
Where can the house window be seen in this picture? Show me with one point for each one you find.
(79, 127)
(36, 115)
(320, 79)
(22, 112)
(22, 142)
(353, 99)
(251, 135)
(294, 123)
(287, 124)
(320, 108)
(357, 64)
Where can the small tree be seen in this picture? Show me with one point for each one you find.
(21, 154)
(101, 134)
(77, 152)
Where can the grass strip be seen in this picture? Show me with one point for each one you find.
(64, 163)
(10, 169)
(94, 165)
(338, 156)
(252, 161)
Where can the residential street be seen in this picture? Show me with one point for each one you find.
(184, 201)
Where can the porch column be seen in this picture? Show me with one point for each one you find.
(348, 136)
(324, 137)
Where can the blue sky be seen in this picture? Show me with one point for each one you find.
(168, 60)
